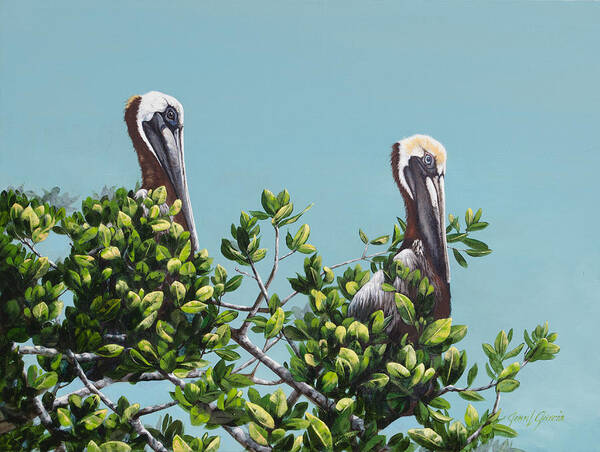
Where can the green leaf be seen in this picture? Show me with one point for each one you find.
(168, 361)
(269, 202)
(321, 431)
(45, 381)
(301, 236)
(501, 343)
(93, 420)
(296, 424)
(469, 216)
(193, 307)
(204, 293)
(514, 352)
(426, 437)
(279, 401)
(92, 447)
(329, 381)
(147, 322)
(397, 370)
(471, 395)
(110, 253)
(350, 357)
(159, 195)
(363, 236)
(40, 311)
(114, 446)
(508, 385)
(477, 226)
(306, 249)
(344, 403)
(471, 415)
(213, 446)
(275, 323)
(88, 235)
(175, 208)
(439, 416)
(110, 350)
(388, 287)
(436, 332)
(472, 374)
(459, 258)
(258, 434)
(260, 415)
(296, 217)
(509, 371)
(359, 331)
(478, 253)
(64, 417)
(455, 237)
(504, 430)
(179, 445)
(475, 244)
(438, 402)
(406, 308)
(381, 240)
(378, 381)
(457, 333)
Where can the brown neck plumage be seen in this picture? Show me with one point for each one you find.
(442, 306)
(153, 175)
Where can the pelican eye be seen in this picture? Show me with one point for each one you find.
(428, 159)
(171, 116)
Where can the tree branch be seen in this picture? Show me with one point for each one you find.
(474, 436)
(51, 352)
(26, 242)
(155, 408)
(311, 393)
(263, 287)
(135, 423)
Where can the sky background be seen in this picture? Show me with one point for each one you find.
(310, 96)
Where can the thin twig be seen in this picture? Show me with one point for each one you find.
(263, 287)
(29, 245)
(155, 408)
(287, 255)
(253, 359)
(242, 272)
(362, 258)
(474, 436)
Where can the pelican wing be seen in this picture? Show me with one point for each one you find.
(371, 297)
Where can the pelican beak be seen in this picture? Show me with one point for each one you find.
(167, 143)
(437, 226)
(430, 202)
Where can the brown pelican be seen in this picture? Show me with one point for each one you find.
(155, 125)
(419, 166)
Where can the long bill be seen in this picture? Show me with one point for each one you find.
(432, 220)
(167, 144)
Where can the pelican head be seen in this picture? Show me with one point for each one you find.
(155, 125)
(419, 167)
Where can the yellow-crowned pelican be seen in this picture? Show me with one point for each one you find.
(419, 167)
(155, 125)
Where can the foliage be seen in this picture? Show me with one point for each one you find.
(144, 308)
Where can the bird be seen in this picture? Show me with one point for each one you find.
(419, 168)
(155, 125)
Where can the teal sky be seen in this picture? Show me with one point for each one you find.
(310, 96)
